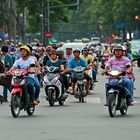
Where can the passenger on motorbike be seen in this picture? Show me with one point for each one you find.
(129, 71)
(24, 63)
(118, 61)
(61, 57)
(75, 62)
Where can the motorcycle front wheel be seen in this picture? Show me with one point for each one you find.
(81, 90)
(50, 96)
(15, 105)
(112, 107)
(61, 103)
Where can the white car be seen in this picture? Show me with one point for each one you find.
(73, 45)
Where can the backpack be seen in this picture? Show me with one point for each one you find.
(46, 58)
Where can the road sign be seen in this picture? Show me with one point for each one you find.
(48, 35)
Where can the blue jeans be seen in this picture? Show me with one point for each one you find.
(130, 86)
(37, 87)
(33, 82)
(94, 73)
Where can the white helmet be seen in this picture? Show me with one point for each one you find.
(124, 48)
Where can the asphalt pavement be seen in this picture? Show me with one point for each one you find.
(74, 120)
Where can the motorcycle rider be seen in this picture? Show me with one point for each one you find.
(69, 54)
(41, 51)
(54, 61)
(8, 63)
(118, 61)
(24, 63)
(106, 51)
(75, 62)
(91, 61)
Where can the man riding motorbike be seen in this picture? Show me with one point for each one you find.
(24, 63)
(118, 61)
(91, 61)
(75, 62)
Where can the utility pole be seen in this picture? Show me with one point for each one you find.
(46, 15)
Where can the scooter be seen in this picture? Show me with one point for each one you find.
(53, 86)
(105, 58)
(20, 99)
(79, 73)
(116, 93)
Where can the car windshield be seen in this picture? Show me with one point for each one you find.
(74, 46)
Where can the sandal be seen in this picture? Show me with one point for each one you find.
(35, 102)
(38, 100)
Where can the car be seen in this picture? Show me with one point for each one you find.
(134, 48)
(73, 45)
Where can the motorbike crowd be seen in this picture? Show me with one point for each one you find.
(62, 72)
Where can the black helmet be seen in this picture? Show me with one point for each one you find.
(4, 49)
(85, 49)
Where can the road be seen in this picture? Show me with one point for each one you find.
(74, 120)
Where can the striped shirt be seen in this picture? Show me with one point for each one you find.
(119, 64)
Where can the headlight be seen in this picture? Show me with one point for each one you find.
(114, 73)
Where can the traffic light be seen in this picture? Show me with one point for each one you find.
(113, 35)
(136, 18)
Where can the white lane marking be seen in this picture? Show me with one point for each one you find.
(94, 100)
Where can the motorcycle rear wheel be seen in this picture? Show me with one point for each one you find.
(61, 103)
(112, 107)
(123, 111)
(30, 110)
(15, 105)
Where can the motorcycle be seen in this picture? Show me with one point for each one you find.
(116, 93)
(105, 58)
(20, 98)
(53, 86)
(79, 72)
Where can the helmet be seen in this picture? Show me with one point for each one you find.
(76, 50)
(4, 48)
(60, 50)
(118, 47)
(85, 51)
(48, 48)
(12, 50)
(25, 48)
(106, 45)
(30, 47)
(92, 48)
(124, 48)
(53, 52)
